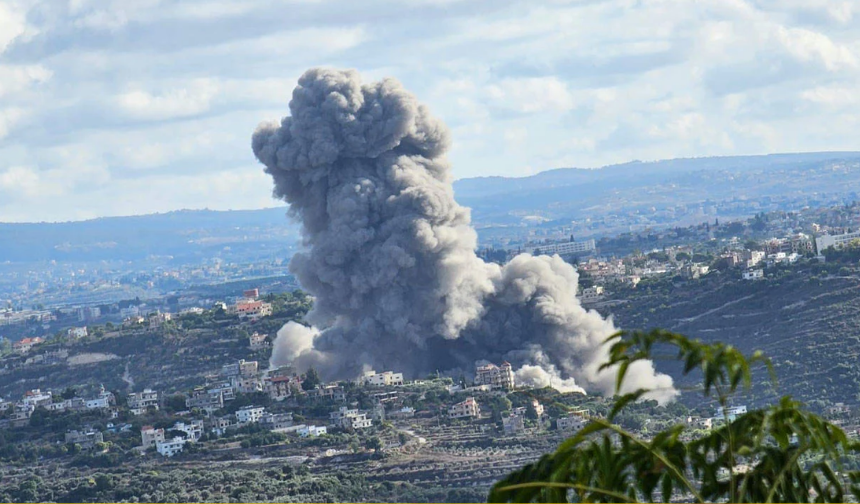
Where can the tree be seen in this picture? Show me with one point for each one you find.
(781, 453)
(311, 380)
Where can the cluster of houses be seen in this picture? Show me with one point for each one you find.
(23, 409)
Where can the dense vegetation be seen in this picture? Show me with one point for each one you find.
(781, 453)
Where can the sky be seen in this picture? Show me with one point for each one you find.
(122, 107)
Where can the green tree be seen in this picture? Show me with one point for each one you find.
(311, 379)
(781, 453)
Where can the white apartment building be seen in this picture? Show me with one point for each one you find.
(466, 409)
(77, 332)
(250, 414)
(731, 413)
(565, 248)
(311, 430)
(193, 430)
(755, 274)
(497, 377)
(149, 436)
(170, 448)
(822, 243)
(386, 378)
(36, 397)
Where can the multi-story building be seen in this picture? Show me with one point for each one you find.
(156, 320)
(86, 440)
(37, 398)
(26, 344)
(334, 393)
(246, 384)
(754, 274)
(513, 424)
(149, 436)
(171, 447)
(250, 414)
(251, 308)
(209, 400)
(591, 294)
(311, 430)
(220, 425)
(824, 242)
(731, 412)
(258, 341)
(570, 422)
(140, 402)
(566, 248)
(77, 332)
(276, 421)
(280, 387)
(468, 408)
(193, 430)
(497, 377)
(348, 418)
(386, 378)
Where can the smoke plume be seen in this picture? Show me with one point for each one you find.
(391, 257)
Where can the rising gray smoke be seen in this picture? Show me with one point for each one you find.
(390, 254)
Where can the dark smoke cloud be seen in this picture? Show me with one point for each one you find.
(390, 254)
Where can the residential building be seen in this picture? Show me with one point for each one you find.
(220, 425)
(86, 440)
(36, 398)
(566, 248)
(350, 418)
(824, 242)
(281, 387)
(731, 412)
(538, 407)
(171, 447)
(253, 309)
(513, 424)
(156, 320)
(193, 430)
(210, 400)
(140, 402)
(250, 414)
(386, 378)
(246, 384)
(591, 294)
(333, 393)
(466, 409)
(497, 377)
(312, 430)
(258, 341)
(26, 344)
(570, 422)
(700, 423)
(77, 332)
(276, 421)
(755, 274)
(149, 436)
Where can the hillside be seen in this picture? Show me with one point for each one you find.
(807, 319)
(607, 200)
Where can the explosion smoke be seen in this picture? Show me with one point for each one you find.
(391, 255)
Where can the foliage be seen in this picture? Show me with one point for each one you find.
(781, 453)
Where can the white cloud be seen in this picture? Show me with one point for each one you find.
(156, 99)
(191, 99)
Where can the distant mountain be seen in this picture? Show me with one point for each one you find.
(570, 193)
(185, 235)
(612, 198)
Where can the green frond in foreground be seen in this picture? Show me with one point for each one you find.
(781, 453)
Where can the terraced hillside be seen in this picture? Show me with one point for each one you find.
(807, 319)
